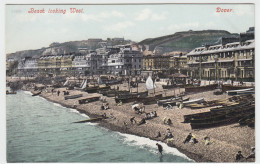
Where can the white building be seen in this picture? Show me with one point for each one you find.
(126, 62)
(28, 66)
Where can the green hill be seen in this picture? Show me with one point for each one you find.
(186, 41)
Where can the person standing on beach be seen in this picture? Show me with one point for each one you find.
(58, 93)
(160, 148)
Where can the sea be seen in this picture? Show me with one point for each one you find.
(41, 131)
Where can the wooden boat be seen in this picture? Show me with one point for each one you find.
(221, 110)
(149, 100)
(129, 97)
(112, 92)
(88, 100)
(214, 123)
(168, 86)
(73, 96)
(201, 88)
(247, 119)
(231, 87)
(93, 89)
(187, 118)
(241, 91)
(8, 92)
(36, 94)
(90, 120)
(225, 120)
(160, 102)
(174, 102)
(192, 101)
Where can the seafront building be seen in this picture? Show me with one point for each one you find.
(127, 61)
(224, 61)
(178, 64)
(56, 64)
(156, 63)
(28, 67)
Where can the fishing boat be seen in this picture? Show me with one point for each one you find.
(36, 94)
(160, 102)
(149, 100)
(88, 100)
(191, 101)
(202, 88)
(73, 96)
(174, 102)
(9, 92)
(226, 87)
(168, 86)
(241, 91)
(90, 120)
(219, 121)
(129, 97)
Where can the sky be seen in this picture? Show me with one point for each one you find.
(25, 30)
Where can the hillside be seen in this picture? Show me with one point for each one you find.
(185, 41)
(62, 48)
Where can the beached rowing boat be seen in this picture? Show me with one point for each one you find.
(88, 100)
(9, 93)
(129, 97)
(224, 120)
(90, 120)
(36, 94)
(202, 88)
(174, 102)
(160, 102)
(73, 96)
(241, 91)
(191, 101)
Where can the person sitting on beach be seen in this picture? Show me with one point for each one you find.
(120, 103)
(158, 135)
(164, 120)
(239, 156)
(132, 120)
(169, 121)
(102, 107)
(152, 114)
(207, 140)
(147, 116)
(252, 153)
(142, 121)
(188, 138)
(155, 114)
(193, 139)
(106, 106)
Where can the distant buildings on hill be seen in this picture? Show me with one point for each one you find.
(232, 59)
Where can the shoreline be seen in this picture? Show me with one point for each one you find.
(198, 152)
(116, 128)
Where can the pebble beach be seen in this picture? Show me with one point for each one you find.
(225, 141)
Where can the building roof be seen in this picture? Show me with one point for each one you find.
(239, 47)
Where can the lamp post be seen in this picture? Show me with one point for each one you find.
(216, 66)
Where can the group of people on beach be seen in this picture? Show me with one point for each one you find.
(239, 155)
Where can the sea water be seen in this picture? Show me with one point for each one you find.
(42, 131)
